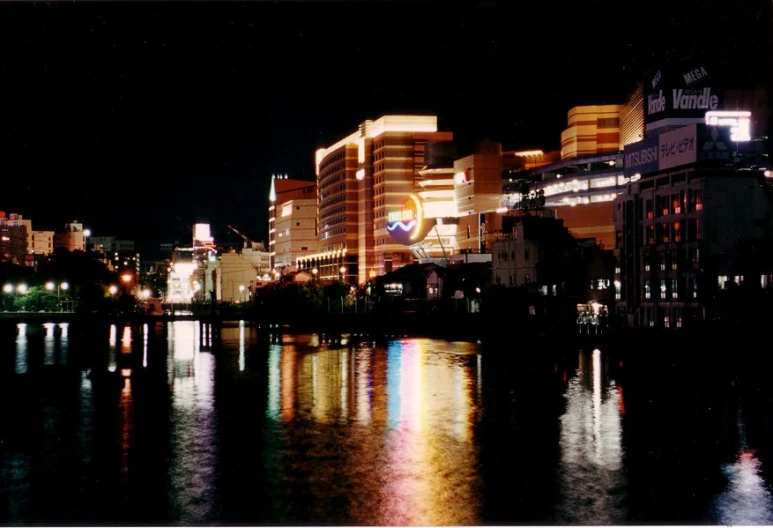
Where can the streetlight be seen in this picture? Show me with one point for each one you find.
(113, 289)
(343, 271)
(241, 292)
(314, 272)
(22, 288)
(8, 288)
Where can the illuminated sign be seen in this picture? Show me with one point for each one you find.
(739, 122)
(407, 225)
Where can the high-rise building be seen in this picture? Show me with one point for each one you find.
(292, 222)
(360, 180)
(590, 130)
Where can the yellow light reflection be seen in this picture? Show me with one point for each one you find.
(126, 340)
(287, 382)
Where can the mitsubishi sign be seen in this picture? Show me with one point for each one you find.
(675, 148)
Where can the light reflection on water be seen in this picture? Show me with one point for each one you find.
(591, 474)
(362, 433)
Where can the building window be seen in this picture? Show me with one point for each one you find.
(663, 289)
(649, 209)
(665, 234)
(677, 228)
(722, 282)
(666, 322)
(650, 235)
(676, 205)
(698, 203)
(647, 290)
(695, 288)
(674, 289)
(663, 261)
(618, 293)
(738, 279)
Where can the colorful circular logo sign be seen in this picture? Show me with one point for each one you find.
(407, 225)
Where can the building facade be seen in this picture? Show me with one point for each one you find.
(590, 130)
(72, 238)
(679, 221)
(292, 222)
(360, 179)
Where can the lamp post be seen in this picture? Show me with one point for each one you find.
(343, 271)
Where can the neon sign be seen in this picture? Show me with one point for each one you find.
(407, 225)
(739, 122)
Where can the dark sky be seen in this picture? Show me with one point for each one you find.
(142, 118)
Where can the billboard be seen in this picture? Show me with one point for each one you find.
(641, 157)
(685, 145)
(408, 225)
(687, 89)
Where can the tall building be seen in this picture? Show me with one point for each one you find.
(292, 222)
(360, 180)
(590, 130)
(689, 210)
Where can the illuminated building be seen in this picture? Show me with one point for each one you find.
(680, 221)
(477, 191)
(591, 129)
(17, 220)
(292, 221)
(73, 238)
(42, 242)
(360, 179)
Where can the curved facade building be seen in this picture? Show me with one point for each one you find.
(360, 179)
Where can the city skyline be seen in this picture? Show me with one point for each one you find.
(139, 121)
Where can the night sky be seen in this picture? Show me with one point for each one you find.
(140, 119)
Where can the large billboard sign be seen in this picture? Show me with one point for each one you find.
(684, 90)
(408, 225)
(685, 145)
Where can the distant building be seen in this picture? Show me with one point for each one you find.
(17, 220)
(42, 243)
(591, 129)
(72, 238)
(292, 222)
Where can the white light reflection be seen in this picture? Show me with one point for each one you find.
(362, 374)
(194, 440)
(597, 440)
(64, 343)
(274, 379)
(20, 365)
(746, 501)
(241, 346)
(111, 348)
(591, 448)
(145, 345)
(48, 344)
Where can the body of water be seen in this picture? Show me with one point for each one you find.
(158, 424)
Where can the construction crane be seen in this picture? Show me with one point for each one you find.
(245, 237)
